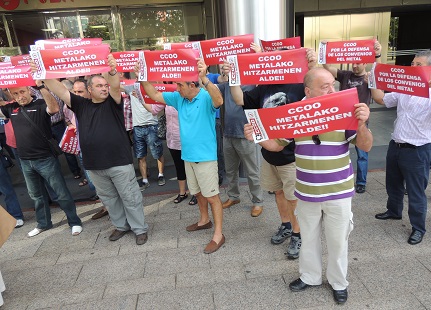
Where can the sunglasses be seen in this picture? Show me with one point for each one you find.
(316, 139)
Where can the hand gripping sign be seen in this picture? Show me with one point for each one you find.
(308, 117)
(279, 67)
(65, 43)
(282, 44)
(15, 76)
(69, 141)
(358, 51)
(161, 88)
(215, 51)
(126, 60)
(52, 64)
(401, 79)
(168, 65)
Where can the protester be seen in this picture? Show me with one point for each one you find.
(37, 159)
(409, 155)
(145, 128)
(278, 168)
(106, 152)
(358, 78)
(324, 196)
(196, 112)
(11, 200)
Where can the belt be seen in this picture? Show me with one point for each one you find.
(405, 145)
(145, 126)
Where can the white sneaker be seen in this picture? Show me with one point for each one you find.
(76, 230)
(35, 232)
(19, 223)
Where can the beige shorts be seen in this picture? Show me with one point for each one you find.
(202, 177)
(274, 178)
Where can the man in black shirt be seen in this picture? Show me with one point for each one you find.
(106, 152)
(37, 160)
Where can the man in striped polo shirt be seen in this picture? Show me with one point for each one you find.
(324, 188)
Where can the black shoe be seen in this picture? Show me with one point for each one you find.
(415, 237)
(340, 296)
(387, 216)
(360, 189)
(298, 285)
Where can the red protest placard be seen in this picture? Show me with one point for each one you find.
(401, 79)
(66, 43)
(20, 60)
(168, 65)
(181, 45)
(215, 51)
(15, 76)
(357, 51)
(280, 67)
(161, 88)
(282, 44)
(86, 60)
(307, 117)
(126, 60)
(69, 141)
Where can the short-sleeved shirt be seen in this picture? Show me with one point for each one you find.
(349, 80)
(102, 136)
(197, 125)
(31, 144)
(269, 96)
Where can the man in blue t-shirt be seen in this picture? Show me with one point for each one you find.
(196, 113)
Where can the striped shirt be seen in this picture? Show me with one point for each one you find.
(324, 172)
(413, 122)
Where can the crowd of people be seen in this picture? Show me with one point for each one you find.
(311, 177)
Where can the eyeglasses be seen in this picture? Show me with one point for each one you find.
(316, 139)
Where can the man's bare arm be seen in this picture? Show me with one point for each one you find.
(270, 145)
(364, 137)
(331, 69)
(210, 87)
(113, 79)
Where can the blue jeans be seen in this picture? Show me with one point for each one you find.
(220, 155)
(48, 169)
(412, 166)
(58, 132)
(11, 200)
(87, 176)
(146, 136)
(361, 167)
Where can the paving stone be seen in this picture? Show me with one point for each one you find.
(140, 285)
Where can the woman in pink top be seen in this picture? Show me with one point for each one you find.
(174, 146)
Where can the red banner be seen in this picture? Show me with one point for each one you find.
(161, 88)
(282, 44)
(358, 51)
(307, 117)
(215, 51)
(401, 79)
(53, 64)
(15, 76)
(168, 65)
(66, 43)
(69, 141)
(280, 67)
(20, 60)
(181, 45)
(126, 60)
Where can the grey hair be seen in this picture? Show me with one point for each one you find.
(427, 54)
(90, 80)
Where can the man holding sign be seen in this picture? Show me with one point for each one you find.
(105, 149)
(409, 155)
(196, 112)
(324, 188)
(358, 78)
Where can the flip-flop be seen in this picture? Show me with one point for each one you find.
(83, 182)
(193, 201)
(180, 198)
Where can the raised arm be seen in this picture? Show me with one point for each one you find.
(52, 105)
(113, 79)
(235, 91)
(331, 69)
(210, 87)
(364, 137)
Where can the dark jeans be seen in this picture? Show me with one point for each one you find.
(58, 132)
(412, 166)
(220, 156)
(361, 167)
(11, 200)
(48, 169)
